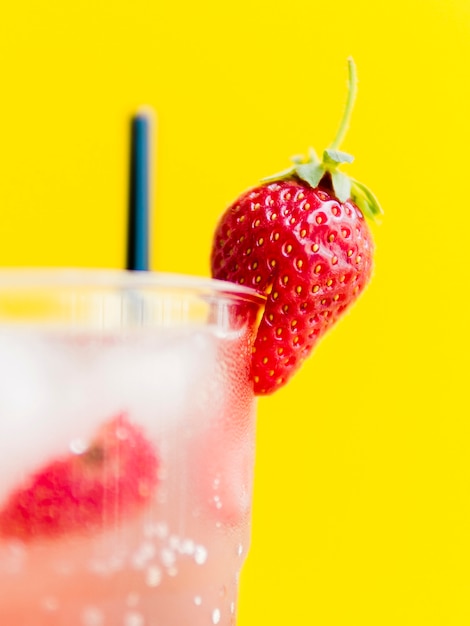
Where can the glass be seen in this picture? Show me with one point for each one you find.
(127, 441)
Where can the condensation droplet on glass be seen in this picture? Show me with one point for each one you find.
(134, 619)
(240, 549)
(159, 530)
(174, 542)
(132, 599)
(187, 547)
(50, 604)
(200, 555)
(78, 446)
(172, 571)
(216, 616)
(116, 563)
(232, 607)
(92, 616)
(153, 576)
(197, 600)
(168, 557)
(16, 550)
(13, 559)
(122, 433)
(143, 555)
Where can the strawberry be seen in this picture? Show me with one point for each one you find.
(111, 480)
(300, 238)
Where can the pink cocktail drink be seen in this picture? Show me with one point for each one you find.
(127, 444)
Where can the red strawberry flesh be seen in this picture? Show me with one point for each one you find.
(111, 480)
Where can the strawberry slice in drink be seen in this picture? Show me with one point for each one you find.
(111, 480)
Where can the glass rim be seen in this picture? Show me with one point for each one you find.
(19, 278)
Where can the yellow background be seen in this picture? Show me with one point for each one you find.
(361, 513)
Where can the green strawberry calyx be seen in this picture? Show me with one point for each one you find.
(326, 171)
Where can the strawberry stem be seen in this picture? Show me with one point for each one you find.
(352, 91)
(313, 171)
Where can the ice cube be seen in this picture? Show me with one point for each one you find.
(55, 393)
(155, 380)
(27, 377)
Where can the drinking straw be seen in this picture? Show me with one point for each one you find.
(139, 191)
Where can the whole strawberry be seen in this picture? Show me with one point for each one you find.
(300, 238)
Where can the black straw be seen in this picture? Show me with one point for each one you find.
(139, 193)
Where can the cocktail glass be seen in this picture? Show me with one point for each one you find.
(126, 447)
